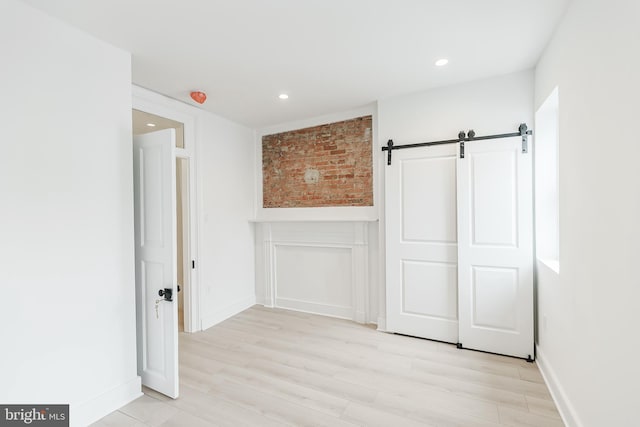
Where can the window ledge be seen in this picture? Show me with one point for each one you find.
(552, 264)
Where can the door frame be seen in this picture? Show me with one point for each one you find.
(153, 103)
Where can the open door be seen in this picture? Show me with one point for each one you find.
(154, 180)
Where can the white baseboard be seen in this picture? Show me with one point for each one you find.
(358, 315)
(566, 409)
(382, 324)
(316, 308)
(228, 311)
(92, 410)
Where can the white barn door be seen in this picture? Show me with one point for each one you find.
(495, 247)
(421, 235)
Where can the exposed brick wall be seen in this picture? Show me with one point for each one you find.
(327, 165)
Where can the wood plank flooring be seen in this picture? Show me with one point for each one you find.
(271, 367)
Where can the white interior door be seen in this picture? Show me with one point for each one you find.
(421, 235)
(495, 248)
(156, 253)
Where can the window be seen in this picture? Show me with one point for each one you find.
(546, 182)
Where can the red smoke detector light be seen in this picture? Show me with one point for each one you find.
(199, 97)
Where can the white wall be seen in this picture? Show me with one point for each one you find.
(226, 172)
(490, 106)
(66, 222)
(589, 346)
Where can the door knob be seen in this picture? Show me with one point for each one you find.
(167, 293)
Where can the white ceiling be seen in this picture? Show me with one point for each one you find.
(328, 55)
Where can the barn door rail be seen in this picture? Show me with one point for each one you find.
(523, 131)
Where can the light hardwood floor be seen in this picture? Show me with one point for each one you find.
(270, 367)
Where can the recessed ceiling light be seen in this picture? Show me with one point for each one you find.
(283, 96)
(442, 62)
(151, 125)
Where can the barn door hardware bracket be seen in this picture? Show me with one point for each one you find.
(461, 137)
(459, 345)
(529, 358)
(523, 132)
(388, 148)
